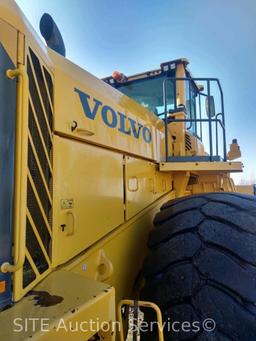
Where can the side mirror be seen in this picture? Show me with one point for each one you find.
(210, 106)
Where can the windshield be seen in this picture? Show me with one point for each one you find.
(148, 92)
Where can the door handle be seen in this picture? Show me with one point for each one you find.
(133, 184)
(71, 227)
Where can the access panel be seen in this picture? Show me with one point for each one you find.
(88, 196)
(139, 185)
(143, 184)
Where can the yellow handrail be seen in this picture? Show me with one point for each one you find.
(140, 304)
(20, 169)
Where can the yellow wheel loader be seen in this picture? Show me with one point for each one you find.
(118, 216)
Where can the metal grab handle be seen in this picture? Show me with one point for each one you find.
(72, 230)
(85, 132)
(144, 304)
(74, 128)
(20, 168)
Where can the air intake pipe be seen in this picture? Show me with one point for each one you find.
(51, 34)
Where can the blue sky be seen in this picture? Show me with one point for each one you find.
(217, 36)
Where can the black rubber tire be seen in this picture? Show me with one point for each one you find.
(202, 265)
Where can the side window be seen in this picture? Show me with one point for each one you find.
(170, 99)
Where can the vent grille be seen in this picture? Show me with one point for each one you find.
(39, 188)
(188, 143)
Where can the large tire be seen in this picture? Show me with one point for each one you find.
(202, 265)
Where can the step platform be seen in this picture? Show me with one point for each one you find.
(202, 167)
(64, 306)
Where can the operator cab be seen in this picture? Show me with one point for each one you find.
(148, 90)
(187, 109)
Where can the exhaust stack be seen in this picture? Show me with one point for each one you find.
(51, 34)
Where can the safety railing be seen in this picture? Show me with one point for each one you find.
(198, 116)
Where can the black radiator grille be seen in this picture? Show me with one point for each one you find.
(42, 86)
(38, 108)
(38, 181)
(35, 250)
(39, 188)
(39, 147)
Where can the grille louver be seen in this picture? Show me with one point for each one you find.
(39, 188)
(188, 143)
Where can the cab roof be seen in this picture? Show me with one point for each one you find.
(164, 67)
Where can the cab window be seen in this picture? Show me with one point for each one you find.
(148, 92)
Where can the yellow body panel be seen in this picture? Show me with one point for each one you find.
(125, 248)
(139, 185)
(8, 35)
(144, 184)
(245, 189)
(95, 190)
(162, 183)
